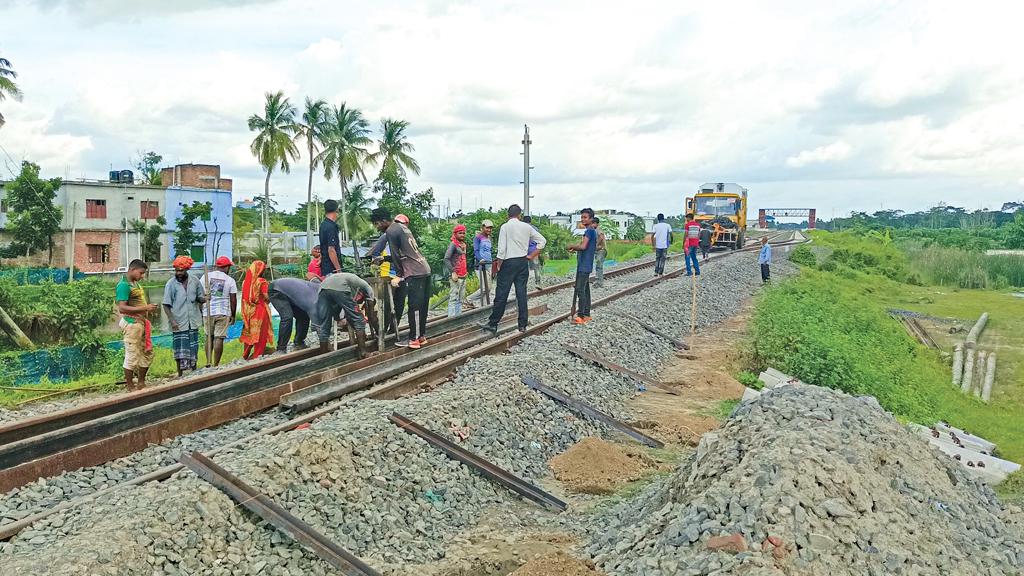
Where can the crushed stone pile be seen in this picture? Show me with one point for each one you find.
(807, 480)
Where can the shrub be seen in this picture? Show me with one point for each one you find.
(750, 380)
(802, 255)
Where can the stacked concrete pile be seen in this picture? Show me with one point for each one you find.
(806, 480)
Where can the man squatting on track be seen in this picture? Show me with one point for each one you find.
(339, 293)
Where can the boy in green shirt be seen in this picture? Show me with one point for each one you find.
(138, 344)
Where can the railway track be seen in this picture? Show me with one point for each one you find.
(95, 434)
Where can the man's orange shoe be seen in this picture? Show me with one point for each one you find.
(587, 319)
(578, 320)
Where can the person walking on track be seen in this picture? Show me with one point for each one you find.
(483, 257)
(410, 266)
(257, 331)
(513, 267)
(692, 236)
(705, 242)
(223, 298)
(295, 302)
(137, 330)
(584, 265)
(764, 258)
(600, 254)
(339, 294)
(455, 268)
(661, 239)
(182, 297)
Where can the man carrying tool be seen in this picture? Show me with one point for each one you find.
(410, 266)
(692, 235)
(330, 245)
(600, 254)
(223, 299)
(584, 266)
(182, 297)
(661, 239)
(138, 342)
(513, 264)
(764, 258)
(338, 294)
(296, 302)
(455, 268)
(482, 255)
(393, 296)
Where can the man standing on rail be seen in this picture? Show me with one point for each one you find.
(584, 265)
(483, 257)
(295, 301)
(600, 254)
(661, 239)
(182, 297)
(138, 342)
(410, 266)
(338, 294)
(223, 298)
(455, 268)
(513, 264)
(330, 245)
(705, 242)
(692, 236)
(764, 258)
(535, 265)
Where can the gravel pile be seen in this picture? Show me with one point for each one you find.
(808, 480)
(383, 494)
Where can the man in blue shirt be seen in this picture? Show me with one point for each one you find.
(764, 258)
(584, 266)
(482, 258)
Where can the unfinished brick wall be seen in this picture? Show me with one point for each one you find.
(195, 176)
(39, 259)
(85, 239)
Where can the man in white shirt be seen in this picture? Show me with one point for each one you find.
(513, 265)
(661, 240)
(222, 295)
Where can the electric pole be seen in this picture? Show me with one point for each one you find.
(526, 169)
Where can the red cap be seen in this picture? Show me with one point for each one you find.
(402, 218)
(224, 261)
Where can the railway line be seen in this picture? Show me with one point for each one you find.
(300, 382)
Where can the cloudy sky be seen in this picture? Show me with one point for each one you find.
(631, 105)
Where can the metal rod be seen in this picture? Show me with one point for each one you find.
(643, 379)
(678, 344)
(487, 469)
(590, 411)
(277, 516)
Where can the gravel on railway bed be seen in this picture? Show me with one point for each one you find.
(381, 493)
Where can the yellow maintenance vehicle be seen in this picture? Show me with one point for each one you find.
(722, 207)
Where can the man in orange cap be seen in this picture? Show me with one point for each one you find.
(182, 297)
(223, 298)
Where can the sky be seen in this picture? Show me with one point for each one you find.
(839, 106)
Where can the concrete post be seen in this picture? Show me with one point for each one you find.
(990, 378)
(979, 378)
(958, 364)
(972, 336)
(969, 354)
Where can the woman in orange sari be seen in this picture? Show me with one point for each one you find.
(257, 331)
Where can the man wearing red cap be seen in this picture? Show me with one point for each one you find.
(182, 297)
(455, 268)
(223, 297)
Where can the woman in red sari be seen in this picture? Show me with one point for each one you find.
(257, 331)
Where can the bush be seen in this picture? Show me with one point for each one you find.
(74, 311)
(803, 256)
(750, 380)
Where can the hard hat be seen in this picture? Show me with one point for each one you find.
(402, 218)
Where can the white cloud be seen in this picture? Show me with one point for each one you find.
(822, 154)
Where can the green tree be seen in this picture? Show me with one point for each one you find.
(1015, 231)
(312, 131)
(185, 237)
(637, 230)
(390, 185)
(150, 234)
(7, 85)
(148, 165)
(273, 145)
(33, 219)
(394, 151)
(345, 154)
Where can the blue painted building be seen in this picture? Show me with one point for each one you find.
(188, 183)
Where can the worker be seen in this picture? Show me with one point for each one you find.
(295, 302)
(257, 331)
(410, 266)
(222, 298)
(661, 239)
(513, 267)
(705, 242)
(455, 268)
(330, 245)
(600, 254)
(380, 255)
(584, 266)
(313, 270)
(764, 258)
(135, 327)
(692, 240)
(483, 258)
(182, 297)
(535, 265)
(339, 293)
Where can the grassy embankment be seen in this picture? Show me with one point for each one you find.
(830, 327)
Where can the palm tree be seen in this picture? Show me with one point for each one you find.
(7, 85)
(393, 149)
(344, 154)
(273, 146)
(311, 129)
(358, 207)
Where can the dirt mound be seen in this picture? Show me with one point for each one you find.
(594, 466)
(557, 564)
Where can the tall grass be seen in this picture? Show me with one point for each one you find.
(963, 269)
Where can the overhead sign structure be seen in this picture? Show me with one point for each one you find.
(808, 213)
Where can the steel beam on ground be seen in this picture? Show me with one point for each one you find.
(487, 469)
(643, 379)
(676, 343)
(277, 516)
(591, 412)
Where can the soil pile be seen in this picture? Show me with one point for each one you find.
(557, 564)
(594, 466)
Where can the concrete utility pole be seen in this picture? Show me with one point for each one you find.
(526, 169)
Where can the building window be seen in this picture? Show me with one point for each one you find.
(96, 209)
(98, 253)
(150, 209)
